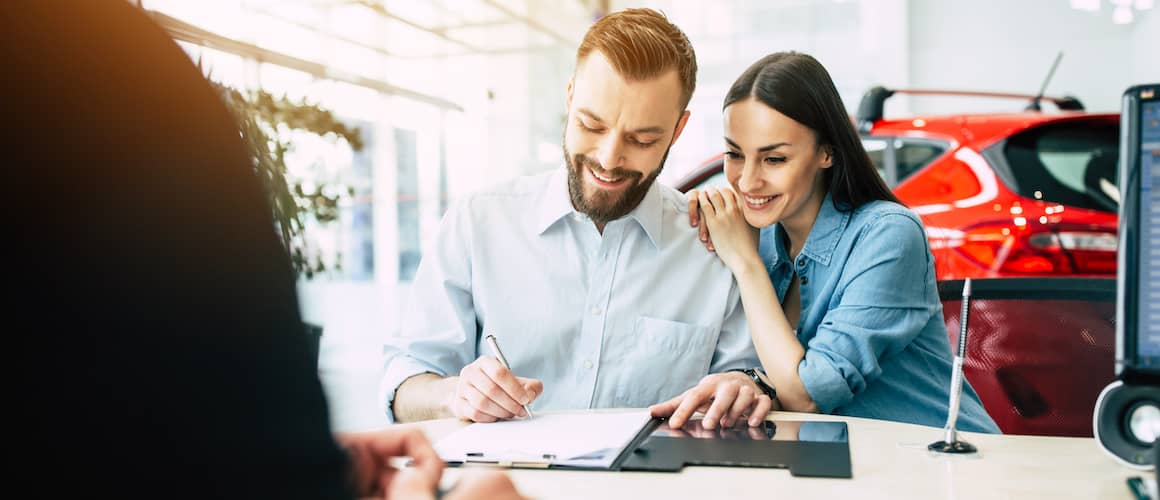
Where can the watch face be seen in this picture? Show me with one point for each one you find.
(769, 391)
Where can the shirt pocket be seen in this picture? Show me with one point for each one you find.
(671, 357)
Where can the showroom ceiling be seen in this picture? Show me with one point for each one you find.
(437, 28)
(363, 41)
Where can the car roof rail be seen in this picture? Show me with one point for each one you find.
(870, 108)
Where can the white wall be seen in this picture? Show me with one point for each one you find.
(1008, 46)
(859, 42)
(1146, 48)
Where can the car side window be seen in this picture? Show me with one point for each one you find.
(876, 148)
(911, 155)
(717, 179)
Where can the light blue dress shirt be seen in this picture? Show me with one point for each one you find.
(871, 319)
(629, 318)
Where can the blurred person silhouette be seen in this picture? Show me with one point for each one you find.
(153, 304)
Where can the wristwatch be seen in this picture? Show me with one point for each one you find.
(752, 374)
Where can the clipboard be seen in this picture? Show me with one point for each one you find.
(600, 440)
(806, 448)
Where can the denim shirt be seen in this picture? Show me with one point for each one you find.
(871, 318)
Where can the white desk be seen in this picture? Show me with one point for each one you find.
(889, 460)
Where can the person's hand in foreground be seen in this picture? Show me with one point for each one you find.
(371, 454)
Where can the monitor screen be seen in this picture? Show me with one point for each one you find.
(1148, 320)
(1138, 341)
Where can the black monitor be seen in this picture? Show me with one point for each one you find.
(1138, 283)
(1126, 421)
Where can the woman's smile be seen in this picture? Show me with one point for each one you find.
(758, 203)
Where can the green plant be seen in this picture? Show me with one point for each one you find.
(261, 116)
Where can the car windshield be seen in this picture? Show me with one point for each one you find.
(1072, 163)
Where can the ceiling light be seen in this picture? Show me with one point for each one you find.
(1122, 15)
(1088, 5)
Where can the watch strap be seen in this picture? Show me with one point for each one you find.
(752, 374)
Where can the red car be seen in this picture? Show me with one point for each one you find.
(1016, 195)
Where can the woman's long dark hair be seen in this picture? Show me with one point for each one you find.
(797, 86)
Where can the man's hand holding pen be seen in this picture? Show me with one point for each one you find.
(486, 391)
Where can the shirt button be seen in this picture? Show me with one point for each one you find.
(804, 280)
(588, 364)
(801, 263)
(596, 311)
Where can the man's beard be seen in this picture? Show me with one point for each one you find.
(604, 206)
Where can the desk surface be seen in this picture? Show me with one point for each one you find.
(889, 460)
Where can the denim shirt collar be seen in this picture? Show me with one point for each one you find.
(820, 244)
(556, 203)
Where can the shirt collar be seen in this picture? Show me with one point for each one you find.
(650, 214)
(556, 203)
(820, 244)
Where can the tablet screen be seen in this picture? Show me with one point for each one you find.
(770, 430)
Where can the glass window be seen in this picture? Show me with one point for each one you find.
(912, 155)
(406, 157)
(876, 148)
(359, 258)
(1073, 163)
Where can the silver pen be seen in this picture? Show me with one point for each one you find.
(499, 354)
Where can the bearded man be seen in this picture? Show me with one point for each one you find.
(591, 278)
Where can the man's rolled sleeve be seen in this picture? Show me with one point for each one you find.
(399, 368)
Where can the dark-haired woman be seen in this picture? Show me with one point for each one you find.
(836, 275)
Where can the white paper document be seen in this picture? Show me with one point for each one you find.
(589, 439)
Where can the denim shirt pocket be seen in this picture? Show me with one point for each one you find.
(673, 356)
